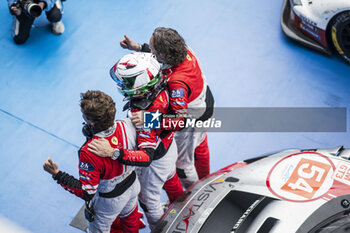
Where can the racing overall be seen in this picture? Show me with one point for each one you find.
(190, 97)
(162, 167)
(111, 186)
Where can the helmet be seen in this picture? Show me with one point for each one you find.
(136, 74)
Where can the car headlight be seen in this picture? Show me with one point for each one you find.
(297, 2)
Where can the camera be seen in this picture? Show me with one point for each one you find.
(30, 7)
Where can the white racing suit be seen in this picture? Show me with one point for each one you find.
(161, 171)
(152, 179)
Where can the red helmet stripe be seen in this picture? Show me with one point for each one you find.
(150, 74)
(127, 64)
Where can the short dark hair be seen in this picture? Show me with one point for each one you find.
(98, 108)
(169, 45)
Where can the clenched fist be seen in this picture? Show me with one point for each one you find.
(50, 166)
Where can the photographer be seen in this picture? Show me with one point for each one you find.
(25, 11)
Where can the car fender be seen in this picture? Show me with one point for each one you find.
(291, 190)
(319, 12)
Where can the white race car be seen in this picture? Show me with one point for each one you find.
(323, 25)
(292, 191)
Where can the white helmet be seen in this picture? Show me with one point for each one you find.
(136, 74)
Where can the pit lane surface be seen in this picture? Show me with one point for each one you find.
(246, 58)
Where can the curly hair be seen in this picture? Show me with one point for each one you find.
(169, 46)
(98, 108)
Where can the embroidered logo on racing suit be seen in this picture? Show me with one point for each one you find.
(178, 102)
(177, 93)
(143, 135)
(84, 177)
(86, 166)
(114, 140)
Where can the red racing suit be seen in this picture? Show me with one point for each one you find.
(93, 168)
(106, 178)
(189, 94)
(190, 97)
(164, 138)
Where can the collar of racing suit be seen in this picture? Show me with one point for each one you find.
(165, 66)
(108, 132)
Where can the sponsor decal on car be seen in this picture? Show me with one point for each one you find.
(308, 21)
(196, 206)
(310, 30)
(309, 27)
(301, 177)
(219, 180)
(342, 173)
(307, 178)
(245, 215)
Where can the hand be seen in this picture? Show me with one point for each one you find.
(137, 118)
(50, 166)
(101, 147)
(15, 10)
(42, 5)
(127, 43)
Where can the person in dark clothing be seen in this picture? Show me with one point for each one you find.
(24, 13)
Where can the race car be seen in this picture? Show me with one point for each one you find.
(323, 25)
(292, 191)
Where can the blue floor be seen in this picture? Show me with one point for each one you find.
(246, 58)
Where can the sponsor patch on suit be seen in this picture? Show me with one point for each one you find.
(86, 166)
(177, 93)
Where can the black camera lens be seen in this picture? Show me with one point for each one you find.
(31, 8)
(34, 10)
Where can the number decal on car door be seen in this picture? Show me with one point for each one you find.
(307, 178)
